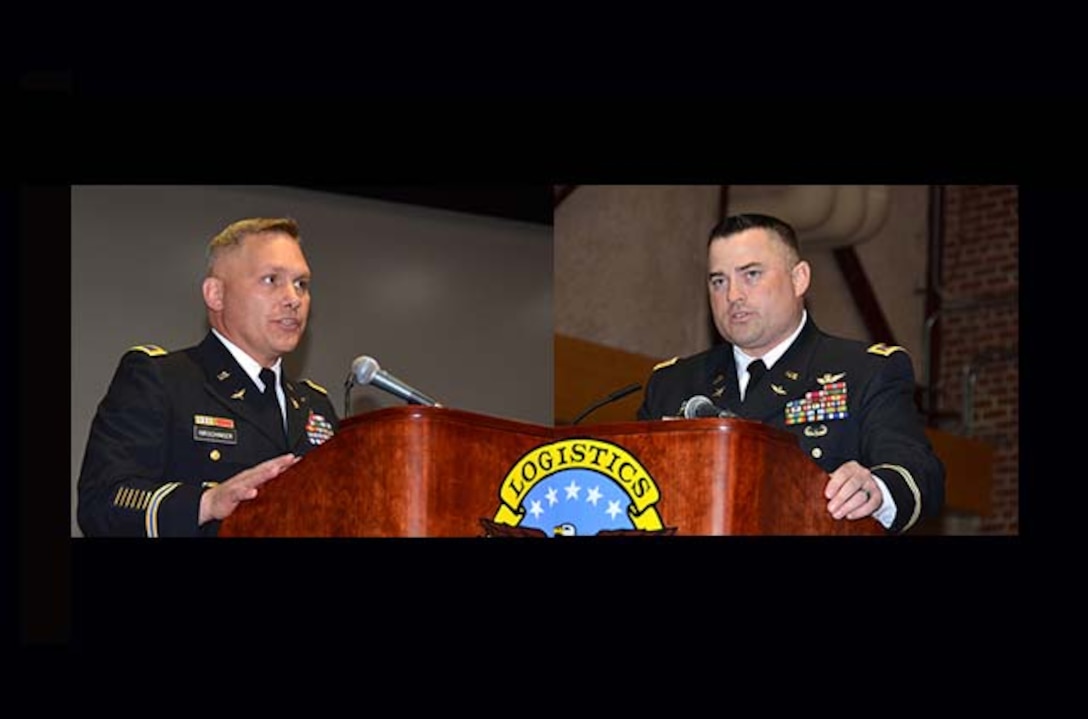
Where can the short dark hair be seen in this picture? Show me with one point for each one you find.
(751, 220)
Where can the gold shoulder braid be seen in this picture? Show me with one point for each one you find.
(666, 363)
(149, 350)
(885, 350)
(314, 385)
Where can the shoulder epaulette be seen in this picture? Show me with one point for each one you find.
(314, 385)
(884, 350)
(666, 363)
(149, 350)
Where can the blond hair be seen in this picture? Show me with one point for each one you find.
(235, 232)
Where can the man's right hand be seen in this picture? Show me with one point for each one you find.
(220, 501)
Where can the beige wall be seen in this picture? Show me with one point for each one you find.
(628, 263)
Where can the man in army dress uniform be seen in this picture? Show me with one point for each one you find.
(850, 404)
(181, 438)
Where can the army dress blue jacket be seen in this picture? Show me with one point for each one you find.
(173, 424)
(843, 400)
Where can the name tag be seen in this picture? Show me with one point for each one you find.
(215, 434)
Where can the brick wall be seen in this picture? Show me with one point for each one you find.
(979, 334)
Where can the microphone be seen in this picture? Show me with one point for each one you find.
(699, 407)
(618, 394)
(365, 370)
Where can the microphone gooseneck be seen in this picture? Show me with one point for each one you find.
(618, 394)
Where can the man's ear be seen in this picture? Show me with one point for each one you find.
(801, 274)
(213, 293)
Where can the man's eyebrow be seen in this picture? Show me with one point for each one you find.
(282, 270)
(742, 268)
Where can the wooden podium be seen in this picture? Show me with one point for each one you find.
(417, 471)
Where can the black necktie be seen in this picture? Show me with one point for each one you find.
(756, 370)
(271, 401)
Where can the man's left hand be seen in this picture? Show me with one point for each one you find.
(852, 493)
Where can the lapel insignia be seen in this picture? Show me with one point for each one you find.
(719, 379)
(778, 389)
(718, 392)
(819, 431)
(239, 394)
(222, 375)
(829, 378)
(792, 375)
(294, 403)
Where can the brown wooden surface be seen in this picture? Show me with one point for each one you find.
(969, 472)
(436, 472)
(397, 472)
(586, 372)
(729, 477)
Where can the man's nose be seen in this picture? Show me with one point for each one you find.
(293, 296)
(735, 292)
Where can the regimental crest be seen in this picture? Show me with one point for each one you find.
(577, 487)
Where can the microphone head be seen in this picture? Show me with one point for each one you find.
(364, 368)
(699, 407)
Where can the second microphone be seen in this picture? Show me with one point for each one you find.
(366, 370)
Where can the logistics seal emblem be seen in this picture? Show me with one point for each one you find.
(577, 487)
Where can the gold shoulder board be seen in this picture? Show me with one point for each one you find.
(149, 350)
(314, 385)
(882, 349)
(666, 363)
